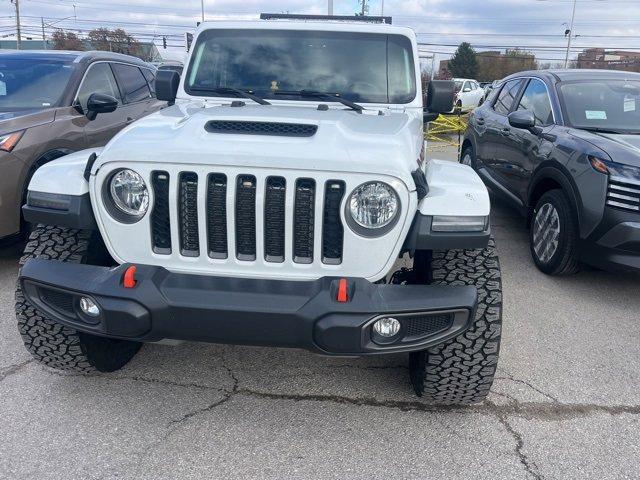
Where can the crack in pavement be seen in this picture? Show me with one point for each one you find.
(556, 411)
(510, 377)
(529, 465)
(549, 411)
(13, 369)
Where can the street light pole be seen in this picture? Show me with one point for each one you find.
(44, 38)
(202, 4)
(573, 16)
(19, 36)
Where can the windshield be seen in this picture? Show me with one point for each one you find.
(607, 105)
(361, 67)
(29, 83)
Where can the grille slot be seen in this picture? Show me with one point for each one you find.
(623, 194)
(274, 219)
(423, 325)
(246, 218)
(217, 215)
(188, 214)
(261, 128)
(59, 301)
(160, 223)
(332, 229)
(303, 219)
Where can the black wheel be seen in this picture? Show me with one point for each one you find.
(467, 157)
(553, 234)
(51, 343)
(461, 370)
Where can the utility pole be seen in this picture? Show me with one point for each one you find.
(202, 5)
(44, 38)
(19, 37)
(330, 7)
(573, 16)
(382, 10)
(365, 8)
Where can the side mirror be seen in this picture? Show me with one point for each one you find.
(440, 95)
(525, 120)
(167, 82)
(100, 103)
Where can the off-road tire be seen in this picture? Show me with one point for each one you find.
(51, 343)
(461, 370)
(565, 259)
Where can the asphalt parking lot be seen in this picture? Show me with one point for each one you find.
(566, 403)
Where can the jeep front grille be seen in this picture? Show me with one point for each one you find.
(273, 218)
(623, 193)
(217, 216)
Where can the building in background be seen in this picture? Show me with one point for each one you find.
(609, 59)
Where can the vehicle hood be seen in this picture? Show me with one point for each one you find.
(345, 141)
(622, 148)
(21, 119)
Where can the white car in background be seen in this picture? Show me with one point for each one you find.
(469, 94)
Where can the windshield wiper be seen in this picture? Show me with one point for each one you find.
(335, 97)
(235, 91)
(601, 130)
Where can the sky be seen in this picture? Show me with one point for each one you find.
(535, 25)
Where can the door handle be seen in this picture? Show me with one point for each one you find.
(506, 131)
(480, 120)
(129, 120)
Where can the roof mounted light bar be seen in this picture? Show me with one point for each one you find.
(339, 18)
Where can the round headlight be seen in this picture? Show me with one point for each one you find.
(374, 205)
(129, 193)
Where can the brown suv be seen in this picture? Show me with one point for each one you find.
(53, 103)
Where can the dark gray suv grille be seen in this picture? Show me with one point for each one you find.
(624, 194)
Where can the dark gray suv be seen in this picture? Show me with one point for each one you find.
(564, 148)
(53, 103)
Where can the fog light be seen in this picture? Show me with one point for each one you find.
(387, 327)
(89, 307)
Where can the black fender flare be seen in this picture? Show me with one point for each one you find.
(557, 172)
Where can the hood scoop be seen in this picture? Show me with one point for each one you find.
(239, 127)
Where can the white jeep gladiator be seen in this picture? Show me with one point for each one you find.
(283, 200)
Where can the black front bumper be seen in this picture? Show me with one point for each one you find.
(615, 244)
(302, 314)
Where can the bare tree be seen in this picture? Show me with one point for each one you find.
(66, 41)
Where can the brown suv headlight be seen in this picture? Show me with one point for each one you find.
(10, 140)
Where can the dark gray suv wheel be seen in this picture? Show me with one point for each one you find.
(553, 234)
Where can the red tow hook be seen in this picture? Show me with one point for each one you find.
(129, 278)
(343, 294)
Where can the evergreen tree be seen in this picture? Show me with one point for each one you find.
(464, 63)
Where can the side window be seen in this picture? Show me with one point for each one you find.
(98, 79)
(536, 99)
(132, 83)
(506, 96)
(466, 87)
(151, 80)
